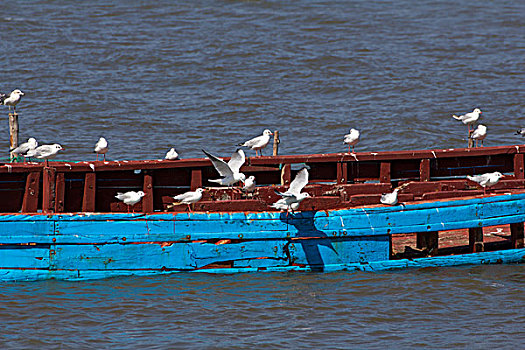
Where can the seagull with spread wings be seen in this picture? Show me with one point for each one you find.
(230, 171)
(293, 197)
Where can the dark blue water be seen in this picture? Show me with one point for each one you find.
(209, 74)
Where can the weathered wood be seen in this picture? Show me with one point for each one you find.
(276, 143)
(384, 173)
(475, 239)
(88, 199)
(519, 166)
(424, 170)
(286, 174)
(48, 190)
(60, 192)
(147, 200)
(13, 132)
(342, 173)
(30, 202)
(516, 235)
(428, 241)
(196, 179)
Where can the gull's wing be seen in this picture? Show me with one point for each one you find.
(220, 165)
(286, 194)
(253, 142)
(301, 179)
(237, 160)
(183, 196)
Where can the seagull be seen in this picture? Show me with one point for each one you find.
(13, 99)
(130, 198)
(172, 155)
(469, 118)
(189, 197)
(293, 195)
(259, 142)
(352, 139)
(520, 132)
(229, 171)
(486, 180)
(25, 147)
(101, 147)
(249, 184)
(391, 198)
(45, 152)
(479, 134)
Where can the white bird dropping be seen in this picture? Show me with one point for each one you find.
(130, 198)
(172, 155)
(352, 138)
(101, 147)
(258, 143)
(479, 134)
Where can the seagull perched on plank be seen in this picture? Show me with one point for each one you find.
(189, 197)
(352, 139)
(45, 152)
(293, 197)
(25, 147)
(487, 179)
(12, 99)
(259, 142)
(249, 184)
(229, 171)
(479, 134)
(130, 198)
(172, 155)
(391, 198)
(101, 147)
(469, 118)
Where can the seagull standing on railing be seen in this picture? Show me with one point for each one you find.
(352, 139)
(229, 171)
(172, 155)
(469, 118)
(45, 152)
(486, 180)
(25, 147)
(189, 197)
(391, 198)
(479, 134)
(258, 143)
(293, 197)
(12, 99)
(101, 147)
(130, 198)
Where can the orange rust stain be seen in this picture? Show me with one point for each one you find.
(166, 244)
(223, 241)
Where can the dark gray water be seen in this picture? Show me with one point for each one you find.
(209, 74)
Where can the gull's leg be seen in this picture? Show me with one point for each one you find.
(104, 157)
(96, 159)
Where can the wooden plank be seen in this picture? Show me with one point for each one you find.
(428, 241)
(286, 174)
(516, 235)
(384, 172)
(196, 179)
(88, 199)
(60, 192)
(424, 170)
(342, 173)
(147, 200)
(519, 166)
(48, 190)
(475, 239)
(30, 202)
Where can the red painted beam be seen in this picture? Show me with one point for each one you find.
(30, 202)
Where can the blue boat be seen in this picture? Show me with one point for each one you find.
(62, 221)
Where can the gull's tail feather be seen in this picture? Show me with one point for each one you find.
(456, 117)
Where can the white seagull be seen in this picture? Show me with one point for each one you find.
(130, 198)
(293, 195)
(486, 180)
(13, 99)
(391, 198)
(25, 147)
(469, 118)
(479, 134)
(172, 155)
(229, 171)
(258, 143)
(249, 184)
(352, 139)
(189, 197)
(45, 152)
(101, 147)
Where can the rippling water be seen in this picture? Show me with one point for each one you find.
(209, 74)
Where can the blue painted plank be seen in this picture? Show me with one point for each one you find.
(24, 257)
(26, 232)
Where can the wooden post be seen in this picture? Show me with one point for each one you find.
(475, 239)
(88, 201)
(276, 142)
(516, 235)
(342, 173)
(30, 202)
(13, 132)
(147, 200)
(518, 166)
(286, 174)
(196, 179)
(470, 143)
(48, 190)
(428, 240)
(384, 172)
(424, 170)
(60, 192)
